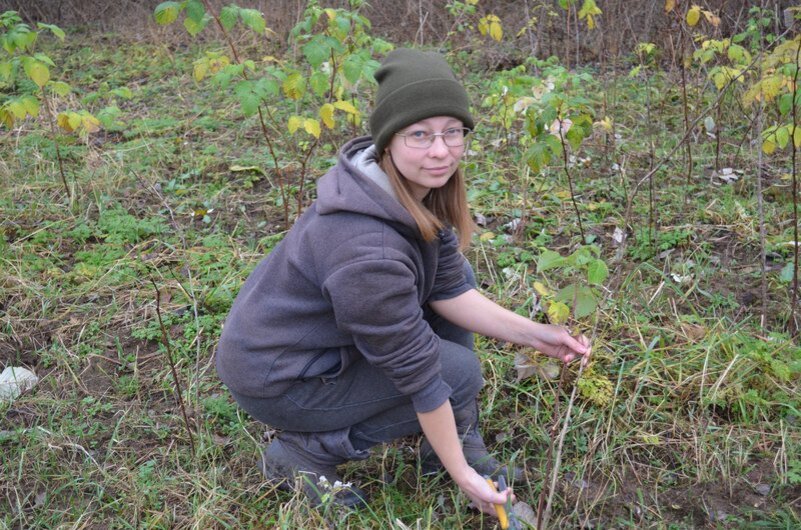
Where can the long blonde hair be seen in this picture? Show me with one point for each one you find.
(442, 206)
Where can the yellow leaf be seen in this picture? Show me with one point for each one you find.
(74, 120)
(712, 18)
(63, 121)
(670, 5)
(558, 313)
(693, 15)
(90, 123)
(38, 72)
(294, 124)
(796, 136)
(650, 439)
(332, 14)
(31, 105)
(541, 289)
(17, 109)
(346, 106)
(200, 70)
(768, 147)
(487, 236)
(6, 118)
(491, 25)
(312, 127)
(327, 115)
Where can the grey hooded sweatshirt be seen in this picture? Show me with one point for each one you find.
(350, 280)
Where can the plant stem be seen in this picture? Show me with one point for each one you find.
(54, 136)
(793, 326)
(569, 178)
(168, 353)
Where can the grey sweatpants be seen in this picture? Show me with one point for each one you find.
(362, 403)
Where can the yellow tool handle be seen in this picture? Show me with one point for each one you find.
(499, 509)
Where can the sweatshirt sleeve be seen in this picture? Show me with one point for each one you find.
(450, 279)
(376, 302)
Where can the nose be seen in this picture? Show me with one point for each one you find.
(438, 148)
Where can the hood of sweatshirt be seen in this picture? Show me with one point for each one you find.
(358, 185)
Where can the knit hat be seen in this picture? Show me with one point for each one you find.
(414, 85)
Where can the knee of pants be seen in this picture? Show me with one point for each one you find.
(461, 369)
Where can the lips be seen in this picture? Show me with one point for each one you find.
(438, 171)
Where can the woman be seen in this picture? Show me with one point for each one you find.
(357, 328)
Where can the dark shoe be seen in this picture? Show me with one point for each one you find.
(287, 461)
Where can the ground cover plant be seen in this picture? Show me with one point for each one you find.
(650, 203)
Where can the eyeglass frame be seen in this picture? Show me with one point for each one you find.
(433, 137)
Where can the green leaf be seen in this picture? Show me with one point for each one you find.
(59, 88)
(786, 275)
(167, 13)
(248, 99)
(55, 30)
(549, 260)
(253, 19)
(123, 92)
(229, 16)
(580, 297)
(6, 70)
(782, 137)
(319, 83)
(44, 59)
(195, 11)
(352, 67)
(31, 105)
(597, 272)
(36, 71)
(317, 50)
(193, 27)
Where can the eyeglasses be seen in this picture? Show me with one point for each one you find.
(454, 137)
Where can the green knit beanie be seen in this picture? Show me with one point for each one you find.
(414, 85)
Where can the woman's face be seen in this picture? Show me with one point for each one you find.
(429, 167)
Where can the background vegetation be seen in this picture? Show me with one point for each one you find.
(633, 173)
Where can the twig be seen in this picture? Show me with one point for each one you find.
(178, 394)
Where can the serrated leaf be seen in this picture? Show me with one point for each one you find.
(549, 260)
(200, 69)
(327, 115)
(195, 11)
(228, 16)
(541, 290)
(248, 99)
(194, 27)
(63, 121)
(6, 118)
(580, 297)
(352, 68)
(16, 108)
(90, 123)
(597, 272)
(253, 19)
(122, 92)
(312, 126)
(558, 313)
(59, 88)
(31, 105)
(55, 30)
(294, 86)
(36, 71)
(693, 15)
(346, 106)
(317, 50)
(319, 83)
(782, 136)
(167, 13)
(294, 123)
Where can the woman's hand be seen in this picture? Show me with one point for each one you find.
(556, 342)
(484, 497)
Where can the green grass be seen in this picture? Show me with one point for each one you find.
(688, 416)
